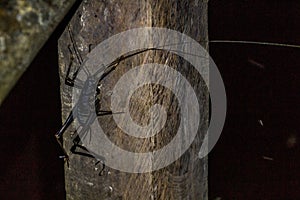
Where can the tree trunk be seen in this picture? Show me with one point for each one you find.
(94, 22)
(24, 28)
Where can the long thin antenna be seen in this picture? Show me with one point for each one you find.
(255, 42)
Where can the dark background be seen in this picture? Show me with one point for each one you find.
(250, 161)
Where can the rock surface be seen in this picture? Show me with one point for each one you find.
(24, 28)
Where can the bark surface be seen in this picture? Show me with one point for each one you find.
(96, 21)
(24, 28)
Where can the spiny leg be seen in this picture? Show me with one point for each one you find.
(60, 133)
(73, 48)
(76, 145)
(68, 80)
(103, 112)
(83, 151)
(74, 45)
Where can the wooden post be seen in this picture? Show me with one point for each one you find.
(96, 21)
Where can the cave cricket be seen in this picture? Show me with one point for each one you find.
(81, 111)
(86, 116)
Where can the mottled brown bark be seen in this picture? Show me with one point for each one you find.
(24, 28)
(96, 21)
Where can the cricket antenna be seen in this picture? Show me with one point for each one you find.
(255, 42)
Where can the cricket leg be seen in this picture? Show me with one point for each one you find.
(101, 173)
(70, 80)
(76, 144)
(104, 112)
(60, 133)
(85, 152)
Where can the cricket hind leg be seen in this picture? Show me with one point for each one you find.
(85, 152)
(74, 53)
(70, 79)
(76, 144)
(103, 112)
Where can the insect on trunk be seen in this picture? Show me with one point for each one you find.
(94, 22)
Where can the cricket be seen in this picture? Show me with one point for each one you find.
(82, 112)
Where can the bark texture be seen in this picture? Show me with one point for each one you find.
(96, 21)
(24, 28)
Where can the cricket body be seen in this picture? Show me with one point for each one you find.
(86, 109)
(85, 114)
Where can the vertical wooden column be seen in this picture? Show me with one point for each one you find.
(96, 21)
